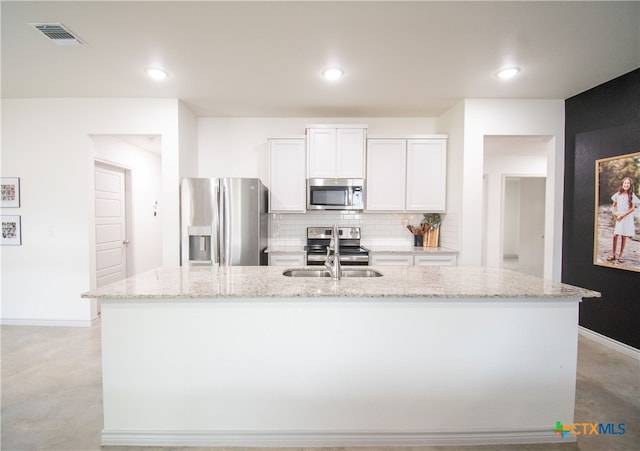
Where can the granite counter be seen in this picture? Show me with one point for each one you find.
(397, 282)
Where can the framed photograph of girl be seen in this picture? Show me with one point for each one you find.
(617, 213)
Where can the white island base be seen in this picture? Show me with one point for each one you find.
(337, 371)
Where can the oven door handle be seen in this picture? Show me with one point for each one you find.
(316, 258)
(354, 258)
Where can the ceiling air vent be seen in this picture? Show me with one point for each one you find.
(58, 33)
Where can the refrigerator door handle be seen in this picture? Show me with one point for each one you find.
(225, 215)
(216, 226)
(221, 231)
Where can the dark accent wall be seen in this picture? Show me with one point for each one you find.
(599, 123)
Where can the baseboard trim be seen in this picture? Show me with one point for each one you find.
(46, 322)
(609, 342)
(327, 438)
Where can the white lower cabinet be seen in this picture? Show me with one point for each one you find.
(411, 259)
(435, 260)
(287, 259)
(390, 259)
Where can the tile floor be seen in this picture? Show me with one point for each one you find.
(52, 395)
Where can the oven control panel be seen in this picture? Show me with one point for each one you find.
(319, 233)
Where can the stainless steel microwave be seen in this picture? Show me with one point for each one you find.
(335, 194)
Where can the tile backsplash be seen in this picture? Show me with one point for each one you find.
(376, 228)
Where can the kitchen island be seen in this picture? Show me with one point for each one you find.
(244, 356)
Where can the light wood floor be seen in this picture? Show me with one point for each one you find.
(52, 395)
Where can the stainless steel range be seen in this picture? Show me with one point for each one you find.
(351, 252)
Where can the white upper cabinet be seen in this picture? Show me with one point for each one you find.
(335, 152)
(321, 152)
(350, 151)
(287, 181)
(406, 174)
(426, 175)
(386, 174)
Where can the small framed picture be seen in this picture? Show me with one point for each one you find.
(9, 192)
(11, 234)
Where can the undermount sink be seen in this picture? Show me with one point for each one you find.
(351, 272)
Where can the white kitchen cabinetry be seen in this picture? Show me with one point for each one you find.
(426, 175)
(335, 152)
(390, 259)
(386, 174)
(435, 260)
(406, 174)
(287, 179)
(412, 259)
(287, 259)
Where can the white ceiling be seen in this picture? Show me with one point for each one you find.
(263, 59)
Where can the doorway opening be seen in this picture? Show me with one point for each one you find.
(515, 213)
(523, 221)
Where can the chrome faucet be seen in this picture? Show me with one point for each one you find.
(332, 263)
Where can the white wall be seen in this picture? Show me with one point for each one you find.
(187, 141)
(452, 123)
(521, 118)
(46, 142)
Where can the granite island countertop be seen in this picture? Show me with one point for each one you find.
(212, 282)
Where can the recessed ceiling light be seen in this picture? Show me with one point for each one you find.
(332, 73)
(155, 73)
(508, 73)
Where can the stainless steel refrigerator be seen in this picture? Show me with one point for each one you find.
(223, 222)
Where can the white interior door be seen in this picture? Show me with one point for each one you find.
(523, 224)
(532, 219)
(111, 230)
